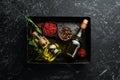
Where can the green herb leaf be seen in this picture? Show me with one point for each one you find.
(32, 43)
(34, 25)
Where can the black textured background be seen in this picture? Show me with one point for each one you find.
(105, 39)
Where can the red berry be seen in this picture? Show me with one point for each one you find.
(82, 52)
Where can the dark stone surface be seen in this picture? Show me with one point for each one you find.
(105, 26)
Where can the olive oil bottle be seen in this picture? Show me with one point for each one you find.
(74, 45)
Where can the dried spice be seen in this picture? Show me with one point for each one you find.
(65, 33)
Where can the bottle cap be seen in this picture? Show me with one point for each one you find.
(84, 24)
(85, 21)
(35, 33)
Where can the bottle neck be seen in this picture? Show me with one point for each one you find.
(79, 33)
(38, 36)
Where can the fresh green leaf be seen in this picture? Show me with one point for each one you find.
(32, 43)
(39, 50)
(34, 25)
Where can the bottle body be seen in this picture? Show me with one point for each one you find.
(73, 47)
(51, 52)
(43, 41)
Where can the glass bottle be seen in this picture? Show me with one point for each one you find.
(74, 45)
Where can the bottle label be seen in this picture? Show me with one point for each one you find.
(75, 42)
(52, 46)
(55, 51)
